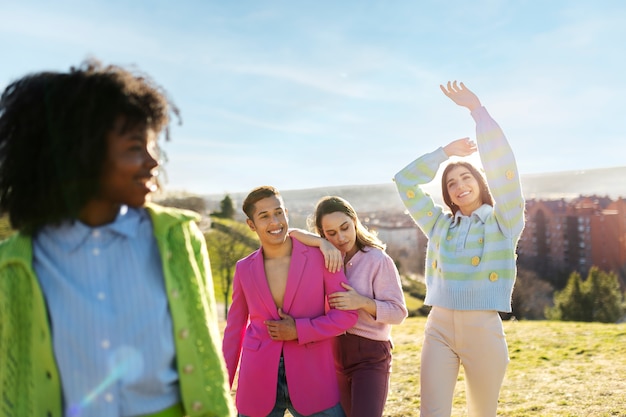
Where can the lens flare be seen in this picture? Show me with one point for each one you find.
(125, 365)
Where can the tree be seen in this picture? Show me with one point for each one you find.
(598, 298)
(227, 244)
(531, 295)
(569, 303)
(227, 210)
(605, 296)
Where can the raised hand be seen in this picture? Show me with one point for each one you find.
(460, 147)
(461, 95)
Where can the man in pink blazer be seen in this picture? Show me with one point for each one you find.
(279, 324)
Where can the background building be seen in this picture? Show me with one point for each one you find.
(565, 236)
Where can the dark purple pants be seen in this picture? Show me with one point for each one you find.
(363, 370)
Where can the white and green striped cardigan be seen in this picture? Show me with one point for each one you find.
(470, 261)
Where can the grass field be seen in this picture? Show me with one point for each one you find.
(559, 369)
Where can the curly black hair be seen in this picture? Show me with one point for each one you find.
(53, 130)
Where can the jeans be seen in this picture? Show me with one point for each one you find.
(283, 402)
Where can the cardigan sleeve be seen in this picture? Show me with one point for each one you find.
(502, 174)
(420, 204)
(388, 295)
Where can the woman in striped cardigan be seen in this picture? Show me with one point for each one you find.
(470, 262)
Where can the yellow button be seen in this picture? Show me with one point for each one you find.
(480, 240)
(435, 264)
(493, 276)
(448, 237)
(410, 194)
(430, 214)
(184, 334)
(509, 175)
(475, 260)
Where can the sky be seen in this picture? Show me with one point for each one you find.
(308, 94)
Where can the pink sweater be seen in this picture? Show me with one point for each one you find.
(373, 274)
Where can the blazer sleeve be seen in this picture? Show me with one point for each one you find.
(236, 323)
(334, 322)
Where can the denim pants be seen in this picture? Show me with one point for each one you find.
(283, 402)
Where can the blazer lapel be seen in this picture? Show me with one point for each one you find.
(259, 280)
(296, 270)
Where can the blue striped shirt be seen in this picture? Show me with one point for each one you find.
(111, 326)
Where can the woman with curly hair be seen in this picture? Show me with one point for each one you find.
(106, 300)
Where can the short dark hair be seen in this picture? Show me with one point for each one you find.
(53, 136)
(485, 194)
(257, 194)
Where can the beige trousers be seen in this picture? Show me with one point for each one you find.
(474, 339)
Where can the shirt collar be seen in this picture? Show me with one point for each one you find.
(71, 235)
(481, 213)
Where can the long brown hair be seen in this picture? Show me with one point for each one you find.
(332, 204)
(485, 194)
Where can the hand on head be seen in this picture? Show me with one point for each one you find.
(460, 147)
(461, 95)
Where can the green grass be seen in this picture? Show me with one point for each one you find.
(413, 303)
(557, 369)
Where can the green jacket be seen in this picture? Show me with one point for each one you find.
(29, 378)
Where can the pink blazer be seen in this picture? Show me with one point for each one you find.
(309, 362)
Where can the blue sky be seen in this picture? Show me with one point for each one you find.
(303, 94)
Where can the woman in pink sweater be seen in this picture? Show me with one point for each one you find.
(363, 353)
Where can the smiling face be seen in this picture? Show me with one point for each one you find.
(128, 173)
(463, 189)
(269, 221)
(340, 230)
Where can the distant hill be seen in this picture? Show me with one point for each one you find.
(609, 182)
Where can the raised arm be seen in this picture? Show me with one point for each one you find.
(496, 156)
(461, 95)
(333, 258)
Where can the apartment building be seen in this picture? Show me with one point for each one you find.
(565, 236)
